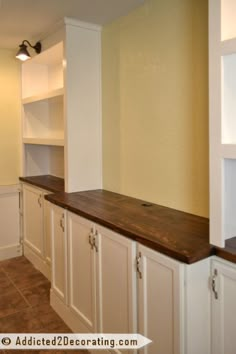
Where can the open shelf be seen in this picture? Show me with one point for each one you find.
(44, 141)
(43, 74)
(228, 46)
(43, 160)
(44, 96)
(228, 151)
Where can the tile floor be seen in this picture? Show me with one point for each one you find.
(24, 303)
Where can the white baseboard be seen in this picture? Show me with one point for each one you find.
(37, 261)
(11, 251)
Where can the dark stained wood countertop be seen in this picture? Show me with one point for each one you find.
(179, 235)
(229, 252)
(50, 183)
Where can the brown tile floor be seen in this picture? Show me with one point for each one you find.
(24, 303)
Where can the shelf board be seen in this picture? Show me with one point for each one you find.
(44, 96)
(228, 151)
(44, 141)
(228, 47)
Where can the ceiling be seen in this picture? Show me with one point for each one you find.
(26, 19)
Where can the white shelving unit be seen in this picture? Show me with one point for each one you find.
(61, 126)
(222, 83)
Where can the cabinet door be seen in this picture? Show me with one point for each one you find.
(159, 302)
(223, 308)
(59, 252)
(116, 282)
(82, 271)
(33, 218)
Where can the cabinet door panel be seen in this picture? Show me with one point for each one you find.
(59, 252)
(224, 309)
(33, 218)
(159, 302)
(82, 271)
(117, 282)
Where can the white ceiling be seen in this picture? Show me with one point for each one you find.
(26, 19)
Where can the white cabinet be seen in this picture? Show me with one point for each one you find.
(223, 307)
(33, 218)
(36, 233)
(102, 277)
(160, 302)
(59, 253)
(170, 304)
(61, 120)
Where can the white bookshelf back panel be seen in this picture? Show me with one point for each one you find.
(37, 160)
(57, 161)
(228, 23)
(229, 99)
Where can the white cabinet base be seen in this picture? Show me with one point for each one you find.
(37, 261)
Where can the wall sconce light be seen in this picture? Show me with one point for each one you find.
(23, 53)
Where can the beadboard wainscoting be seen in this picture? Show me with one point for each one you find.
(10, 245)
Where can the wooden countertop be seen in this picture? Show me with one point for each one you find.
(179, 235)
(229, 252)
(50, 183)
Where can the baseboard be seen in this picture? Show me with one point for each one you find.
(37, 261)
(11, 251)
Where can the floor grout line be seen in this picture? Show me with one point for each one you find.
(18, 290)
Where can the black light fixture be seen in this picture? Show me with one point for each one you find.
(23, 53)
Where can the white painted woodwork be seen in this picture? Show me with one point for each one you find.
(10, 243)
(61, 97)
(116, 282)
(43, 160)
(222, 78)
(44, 119)
(159, 302)
(170, 304)
(196, 298)
(44, 96)
(228, 99)
(215, 108)
(229, 192)
(36, 228)
(224, 308)
(228, 151)
(82, 271)
(59, 252)
(33, 218)
(228, 25)
(83, 165)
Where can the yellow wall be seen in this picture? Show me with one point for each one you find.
(9, 118)
(155, 104)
